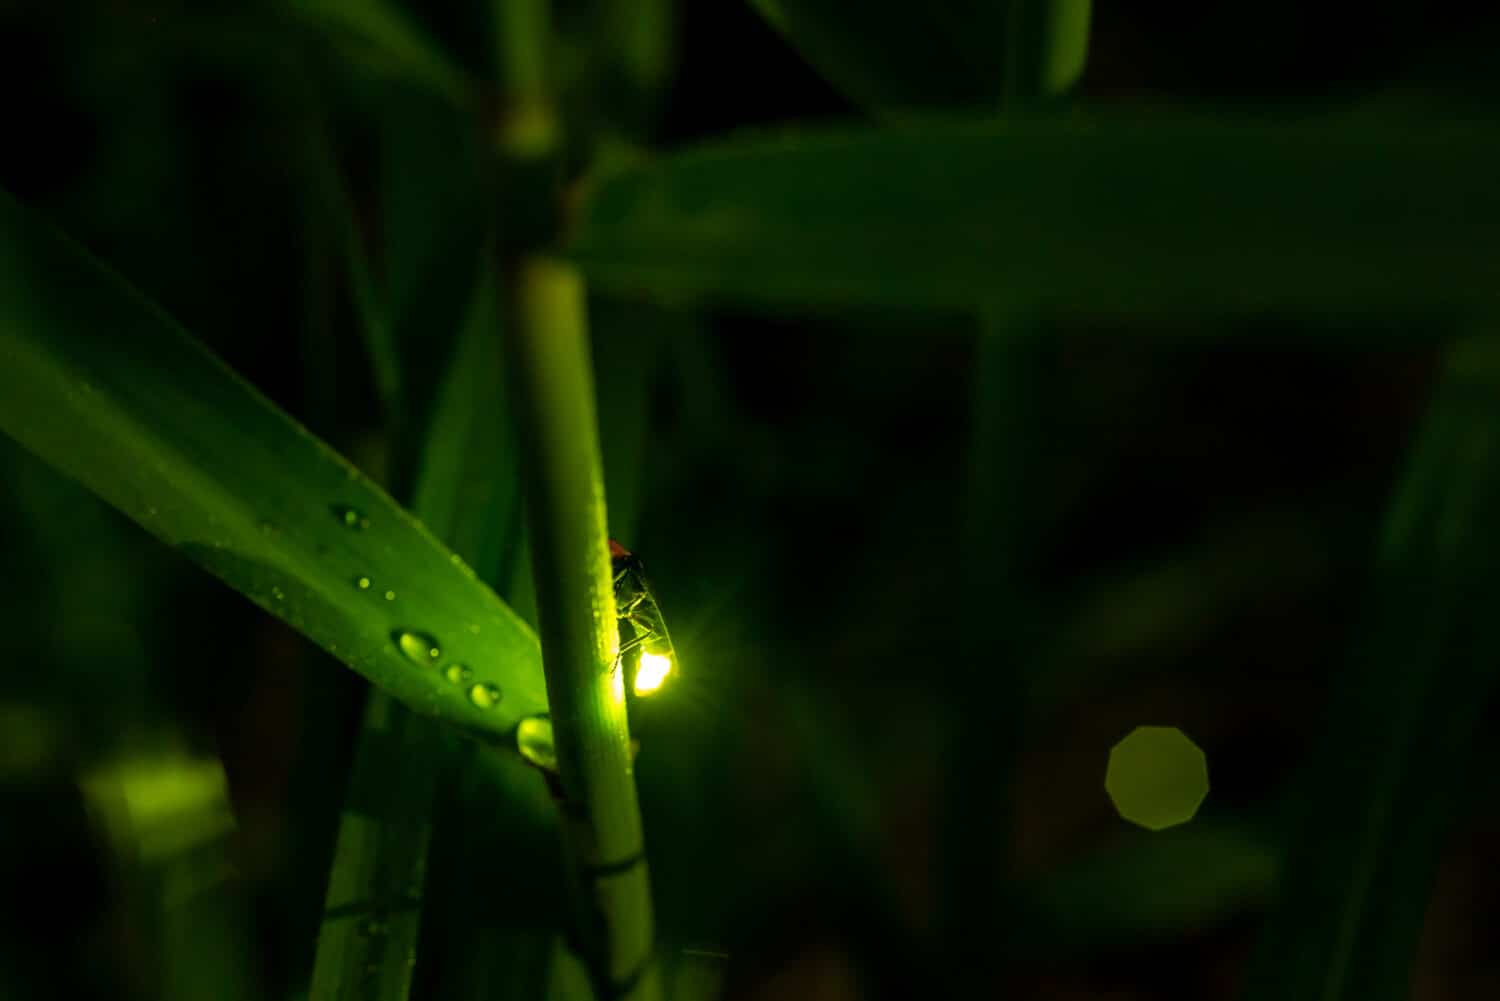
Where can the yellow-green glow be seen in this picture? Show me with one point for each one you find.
(1157, 777)
(617, 682)
(653, 671)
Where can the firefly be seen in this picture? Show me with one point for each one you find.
(644, 640)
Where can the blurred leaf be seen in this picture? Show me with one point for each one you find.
(627, 341)
(372, 912)
(1398, 752)
(612, 65)
(1149, 886)
(467, 488)
(103, 385)
(1155, 615)
(637, 38)
(386, 36)
(898, 55)
(336, 203)
(1105, 214)
(165, 818)
(436, 214)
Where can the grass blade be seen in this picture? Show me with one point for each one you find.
(1149, 886)
(1397, 758)
(374, 326)
(898, 55)
(466, 491)
(372, 911)
(1101, 214)
(388, 37)
(103, 385)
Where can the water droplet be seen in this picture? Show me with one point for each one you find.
(363, 583)
(534, 741)
(351, 517)
(485, 696)
(278, 594)
(458, 673)
(390, 596)
(419, 648)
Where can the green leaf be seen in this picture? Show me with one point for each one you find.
(467, 491)
(99, 382)
(336, 206)
(896, 55)
(1103, 214)
(390, 41)
(1397, 764)
(468, 483)
(372, 911)
(626, 341)
(1149, 885)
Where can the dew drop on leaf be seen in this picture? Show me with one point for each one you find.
(363, 583)
(485, 696)
(278, 594)
(458, 673)
(534, 741)
(419, 648)
(390, 596)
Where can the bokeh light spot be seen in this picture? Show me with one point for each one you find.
(1157, 777)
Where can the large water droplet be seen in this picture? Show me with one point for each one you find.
(485, 696)
(534, 741)
(458, 673)
(351, 517)
(363, 583)
(419, 648)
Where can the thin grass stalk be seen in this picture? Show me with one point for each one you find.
(1046, 44)
(373, 322)
(373, 908)
(548, 358)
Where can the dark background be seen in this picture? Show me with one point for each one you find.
(1208, 517)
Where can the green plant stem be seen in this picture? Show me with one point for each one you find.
(548, 357)
(1046, 44)
(528, 126)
